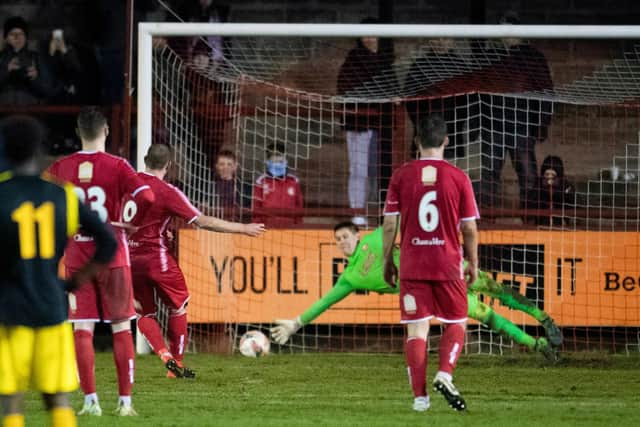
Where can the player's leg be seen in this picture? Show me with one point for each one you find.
(146, 311)
(83, 314)
(16, 356)
(511, 298)
(12, 405)
(85, 360)
(59, 406)
(54, 371)
(171, 287)
(450, 307)
(124, 358)
(416, 311)
(116, 300)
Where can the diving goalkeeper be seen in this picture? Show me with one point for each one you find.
(364, 271)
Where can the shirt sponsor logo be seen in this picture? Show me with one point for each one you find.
(434, 241)
(81, 238)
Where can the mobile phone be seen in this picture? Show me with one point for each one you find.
(57, 34)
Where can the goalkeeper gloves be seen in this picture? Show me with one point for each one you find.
(281, 333)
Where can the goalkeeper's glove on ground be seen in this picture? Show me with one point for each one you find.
(281, 333)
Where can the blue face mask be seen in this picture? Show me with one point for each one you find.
(277, 168)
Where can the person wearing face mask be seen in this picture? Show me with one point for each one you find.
(277, 189)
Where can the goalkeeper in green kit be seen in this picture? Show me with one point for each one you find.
(364, 271)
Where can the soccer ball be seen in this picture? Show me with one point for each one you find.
(254, 344)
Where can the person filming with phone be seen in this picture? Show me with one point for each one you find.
(66, 69)
(24, 77)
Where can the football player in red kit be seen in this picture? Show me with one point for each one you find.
(101, 181)
(435, 201)
(155, 271)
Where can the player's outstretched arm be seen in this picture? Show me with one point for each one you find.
(106, 246)
(285, 328)
(216, 224)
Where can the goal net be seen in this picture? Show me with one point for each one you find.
(547, 129)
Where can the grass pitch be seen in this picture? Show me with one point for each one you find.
(332, 389)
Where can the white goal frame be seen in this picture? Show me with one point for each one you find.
(146, 30)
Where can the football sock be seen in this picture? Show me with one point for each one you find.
(85, 358)
(124, 400)
(63, 417)
(123, 355)
(13, 420)
(450, 346)
(151, 330)
(91, 397)
(177, 332)
(416, 357)
(506, 328)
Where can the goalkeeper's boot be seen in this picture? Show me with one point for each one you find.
(449, 391)
(547, 350)
(92, 408)
(553, 332)
(421, 403)
(125, 410)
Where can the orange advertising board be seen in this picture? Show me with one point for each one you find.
(580, 278)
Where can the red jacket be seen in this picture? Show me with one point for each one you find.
(280, 193)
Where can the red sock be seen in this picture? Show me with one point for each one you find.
(85, 359)
(416, 356)
(451, 346)
(178, 335)
(151, 331)
(123, 355)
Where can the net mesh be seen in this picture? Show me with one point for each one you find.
(344, 117)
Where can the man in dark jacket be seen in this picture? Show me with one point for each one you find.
(24, 78)
(513, 124)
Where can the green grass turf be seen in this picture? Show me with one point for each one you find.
(332, 389)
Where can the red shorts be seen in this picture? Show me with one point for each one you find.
(109, 297)
(157, 275)
(422, 300)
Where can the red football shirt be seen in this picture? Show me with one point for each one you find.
(170, 202)
(101, 181)
(279, 193)
(432, 197)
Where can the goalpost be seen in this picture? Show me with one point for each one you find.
(277, 85)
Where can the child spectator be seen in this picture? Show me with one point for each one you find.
(229, 193)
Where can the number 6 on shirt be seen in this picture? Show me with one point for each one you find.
(428, 215)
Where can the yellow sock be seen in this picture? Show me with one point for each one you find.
(63, 417)
(13, 420)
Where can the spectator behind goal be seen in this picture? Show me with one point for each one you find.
(277, 189)
(552, 192)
